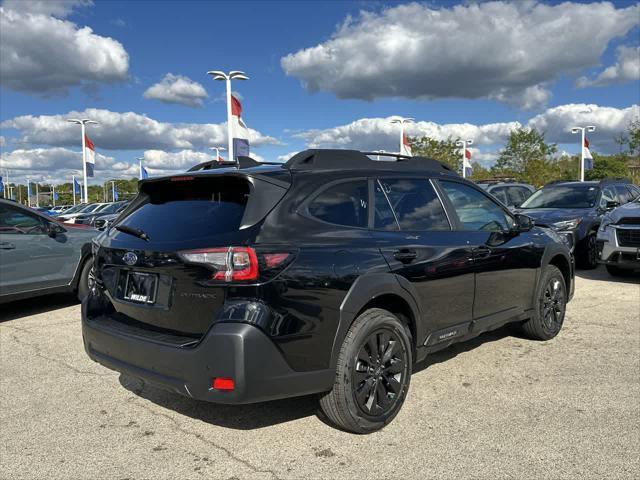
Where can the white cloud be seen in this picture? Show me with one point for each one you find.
(286, 156)
(3, 141)
(56, 8)
(50, 159)
(45, 55)
(182, 160)
(503, 50)
(379, 133)
(610, 122)
(124, 131)
(177, 89)
(626, 69)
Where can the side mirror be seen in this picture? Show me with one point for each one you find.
(53, 229)
(611, 204)
(524, 223)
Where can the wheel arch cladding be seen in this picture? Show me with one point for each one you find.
(561, 262)
(381, 290)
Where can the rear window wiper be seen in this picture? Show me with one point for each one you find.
(133, 231)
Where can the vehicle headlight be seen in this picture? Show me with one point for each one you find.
(566, 224)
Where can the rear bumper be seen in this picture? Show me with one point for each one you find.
(229, 350)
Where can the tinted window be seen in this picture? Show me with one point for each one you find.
(475, 210)
(501, 194)
(343, 204)
(189, 210)
(18, 222)
(415, 203)
(564, 196)
(517, 195)
(608, 195)
(624, 194)
(384, 219)
(635, 191)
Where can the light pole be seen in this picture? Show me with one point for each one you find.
(83, 123)
(218, 150)
(227, 77)
(464, 144)
(589, 128)
(402, 121)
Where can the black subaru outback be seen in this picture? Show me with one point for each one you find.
(331, 274)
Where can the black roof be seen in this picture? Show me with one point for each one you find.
(325, 159)
(589, 182)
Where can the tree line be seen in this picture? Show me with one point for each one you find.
(527, 157)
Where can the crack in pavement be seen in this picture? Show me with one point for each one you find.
(182, 429)
(38, 352)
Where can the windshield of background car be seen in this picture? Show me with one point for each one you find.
(566, 196)
(74, 209)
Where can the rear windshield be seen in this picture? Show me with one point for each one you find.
(190, 209)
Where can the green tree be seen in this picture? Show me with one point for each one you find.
(609, 166)
(444, 151)
(524, 145)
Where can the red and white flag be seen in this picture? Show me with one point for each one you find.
(468, 169)
(405, 148)
(240, 132)
(90, 155)
(588, 158)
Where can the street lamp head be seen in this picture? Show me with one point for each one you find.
(591, 128)
(459, 143)
(86, 121)
(239, 77)
(74, 120)
(575, 130)
(469, 142)
(234, 73)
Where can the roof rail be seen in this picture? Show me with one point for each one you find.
(243, 162)
(321, 159)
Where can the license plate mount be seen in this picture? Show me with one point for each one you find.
(141, 287)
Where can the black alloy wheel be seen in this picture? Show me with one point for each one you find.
(553, 303)
(378, 373)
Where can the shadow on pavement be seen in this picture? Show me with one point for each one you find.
(239, 417)
(36, 305)
(601, 274)
(260, 415)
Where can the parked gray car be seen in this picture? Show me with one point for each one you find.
(511, 194)
(40, 255)
(618, 239)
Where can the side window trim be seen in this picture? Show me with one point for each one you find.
(444, 207)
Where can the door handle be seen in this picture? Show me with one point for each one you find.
(481, 252)
(7, 246)
(405, 255)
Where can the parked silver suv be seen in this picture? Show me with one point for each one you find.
(619, 239)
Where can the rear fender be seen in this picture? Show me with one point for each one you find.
(365, 289)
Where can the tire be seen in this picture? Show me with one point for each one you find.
(550, 307)
(86, 279)
(369, 391)
(588, 255)
(619, 272)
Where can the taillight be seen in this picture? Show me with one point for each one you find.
(231, 263)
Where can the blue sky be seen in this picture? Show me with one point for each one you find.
(190, 37)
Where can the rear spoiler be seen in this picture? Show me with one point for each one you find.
(243, 162)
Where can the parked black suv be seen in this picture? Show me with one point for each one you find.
(331, 274)
(575, 210)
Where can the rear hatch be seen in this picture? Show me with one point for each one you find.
(170, 259)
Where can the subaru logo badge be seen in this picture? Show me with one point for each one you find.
(130, 258)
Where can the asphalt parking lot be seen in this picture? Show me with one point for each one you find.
(497, 407)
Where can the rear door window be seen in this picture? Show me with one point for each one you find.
(16, 222)
(415, 204)
(345, 203)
